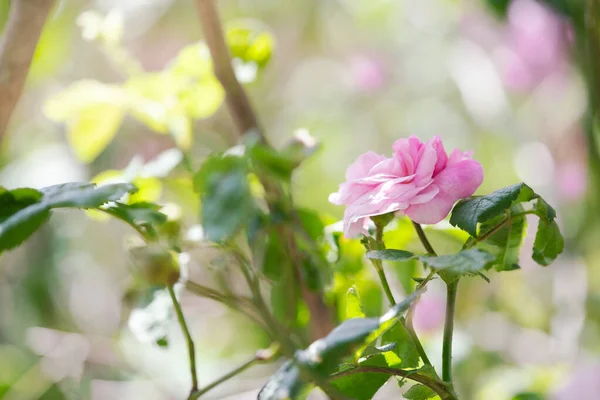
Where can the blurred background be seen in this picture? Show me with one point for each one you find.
(501, 80)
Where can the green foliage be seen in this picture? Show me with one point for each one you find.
(143, 217)
(467, 213)
(323, 357)
(466, 262)
(501, 216)
(250, 44)
(353, 305)
(390, 255)
(363, 386)
(405, 351)
(93, 113)
(506, 242)
(284, 384)
(227, 203)
(549, 242)
(25, 210)
(419, 392)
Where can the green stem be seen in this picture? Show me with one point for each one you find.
(409, 322)
(423, 239)
(378, 264)
(384, 282)
(448, 332)
(188, 339)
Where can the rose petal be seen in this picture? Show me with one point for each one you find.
(455, 182)
(363, 164)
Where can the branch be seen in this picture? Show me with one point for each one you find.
(17, 46)
(235, 96)
(245, 120)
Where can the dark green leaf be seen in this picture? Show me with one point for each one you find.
(269, 160)
(468, 212)
(275, 260)
(312, 223)
(390, 255)
(227, 203)
(548, 244)
(284, 384)
(142, 216)
(467, 262)
(419, 392)
(84, 195)
(544, 210)
(25, 210)
(15, 200)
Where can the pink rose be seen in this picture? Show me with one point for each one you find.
(419, 180)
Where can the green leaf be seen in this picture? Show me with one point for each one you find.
(548, 244)
(506, 242)
(84, 195)
(15, 200)
(363, 386)
(284, 384)
(93, 128)
(144, 217)
(93, 112)
(353, 305)
(275, 260)
(466, 262)
(227, 203)
(419, 392)
(27, 209)
(404, 349)
(249, 44)
(390, 255)
(203, 99)
(468, 212)
(271, 161)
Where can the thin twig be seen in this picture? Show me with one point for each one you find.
(17, 46)
(261, 356)
(188, 339)
(237, 101)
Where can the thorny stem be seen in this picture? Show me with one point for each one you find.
(448, 332)
(445, 392)
(188, 339)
